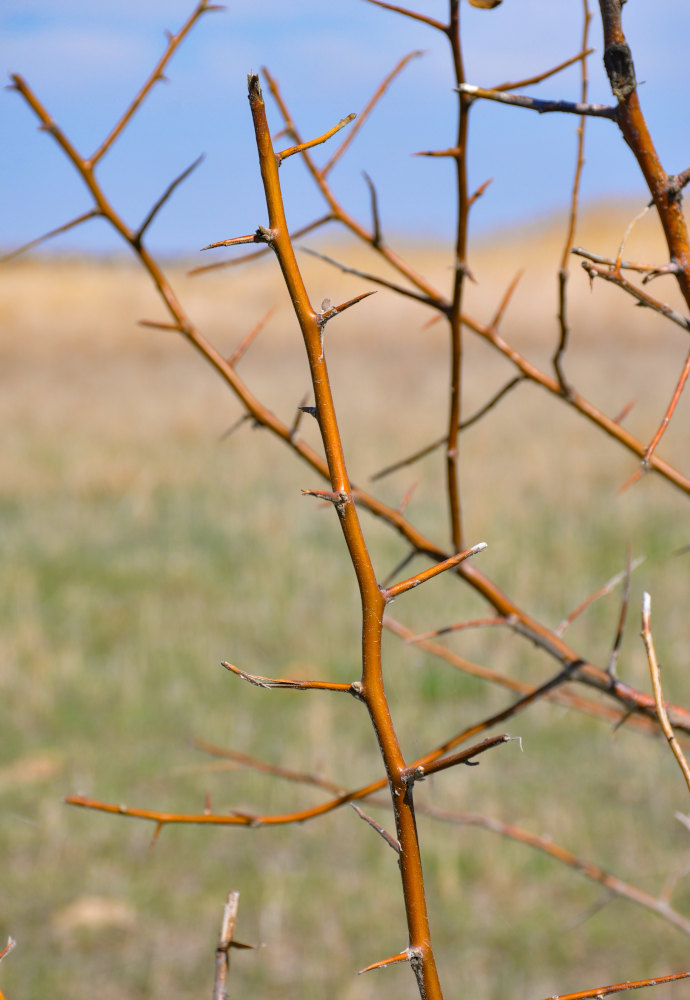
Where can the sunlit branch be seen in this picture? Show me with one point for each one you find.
(658, 905)
(339, 212)
(396, 589)
(300, 147)
(402, 956)
(420, 772)
(294, 685)
(663, 189)
(234, 262)
(331, 312)
(536, 632)
(604, 991)
(241, 818)
(261, 235)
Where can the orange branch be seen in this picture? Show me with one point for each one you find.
(300, 147)
(605, 991)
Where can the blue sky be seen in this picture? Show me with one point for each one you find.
(85, 61)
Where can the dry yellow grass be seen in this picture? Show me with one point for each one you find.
(140, 550)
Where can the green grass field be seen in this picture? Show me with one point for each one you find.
(140, 549)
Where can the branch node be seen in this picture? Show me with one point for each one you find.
(357, 690)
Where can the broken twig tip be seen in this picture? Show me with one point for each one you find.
(646, 605)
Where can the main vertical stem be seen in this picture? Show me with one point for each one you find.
(460, 270)
(372, 600)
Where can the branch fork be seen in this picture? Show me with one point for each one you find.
(421, 771)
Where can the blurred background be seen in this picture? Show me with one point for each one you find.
(141, 546)
(86, 62)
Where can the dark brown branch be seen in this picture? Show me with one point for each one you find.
(376, 228)
(644, 298)
(563, 274)
(620, 626)
(400, 289)
(428, 449)
(533, 104)
(163, 198)
(625, 265)
(420, 772)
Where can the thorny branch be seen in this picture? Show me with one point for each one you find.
(263, 417)
(617, 887)
(345, 497)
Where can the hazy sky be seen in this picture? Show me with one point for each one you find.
(85, 61)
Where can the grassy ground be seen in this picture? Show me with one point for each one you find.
(140, 549)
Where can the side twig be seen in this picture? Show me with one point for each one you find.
(658, 693)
